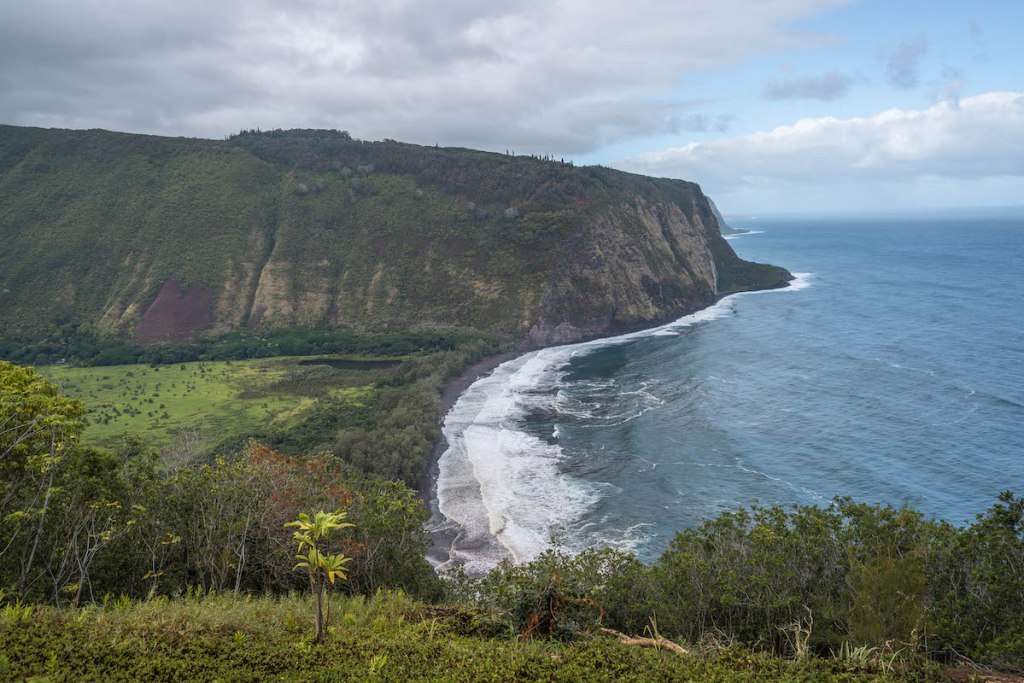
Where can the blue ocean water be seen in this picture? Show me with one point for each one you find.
(892, 373)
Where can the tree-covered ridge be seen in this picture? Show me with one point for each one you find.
(82, 347)
(155, 239)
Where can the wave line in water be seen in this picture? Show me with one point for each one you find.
(502, 487)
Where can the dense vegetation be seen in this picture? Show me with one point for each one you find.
(386, 637)
(143, 240)
(81, 522)
(805, 580)
(834, 592)
(82, 347)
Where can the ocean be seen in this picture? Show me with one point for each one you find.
(891, 371)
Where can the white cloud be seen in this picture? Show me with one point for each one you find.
(975, 138)
(563, 76)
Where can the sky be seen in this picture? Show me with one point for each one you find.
(771, 105)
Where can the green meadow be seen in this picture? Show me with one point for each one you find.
(221, 398)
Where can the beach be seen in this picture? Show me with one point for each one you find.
(442, 536)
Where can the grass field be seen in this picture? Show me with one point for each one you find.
(225, 398)
(387, 637)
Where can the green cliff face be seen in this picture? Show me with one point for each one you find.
(167, 239)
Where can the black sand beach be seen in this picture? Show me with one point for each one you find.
(441, 537)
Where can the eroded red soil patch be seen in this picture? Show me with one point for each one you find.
(175, 316)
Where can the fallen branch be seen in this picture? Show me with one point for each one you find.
(658, 643)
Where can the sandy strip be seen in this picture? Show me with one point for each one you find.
(442, 539)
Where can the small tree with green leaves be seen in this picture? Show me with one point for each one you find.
(324, 569)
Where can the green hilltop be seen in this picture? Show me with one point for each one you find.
(150, 239)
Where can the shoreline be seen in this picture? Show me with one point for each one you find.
(441, 539)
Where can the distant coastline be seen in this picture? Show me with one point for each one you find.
(723, 227)
(727, 231)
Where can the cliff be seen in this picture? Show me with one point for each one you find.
(723, 227)
(167, 239)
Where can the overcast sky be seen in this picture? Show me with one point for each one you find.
(771, 105)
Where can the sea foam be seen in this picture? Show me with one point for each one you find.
(504, 489)
(500, 485)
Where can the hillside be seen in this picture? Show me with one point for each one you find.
(152, 239)
(723, 227)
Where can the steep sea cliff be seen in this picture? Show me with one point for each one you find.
(155, 239)
(890, 372)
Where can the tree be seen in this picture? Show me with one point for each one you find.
(38, 428)
(977, 587)
(323, 569)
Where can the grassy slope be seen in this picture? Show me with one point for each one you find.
(226, 399)
(386, 638)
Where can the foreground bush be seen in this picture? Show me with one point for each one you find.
(877, 580)
(387, 638)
